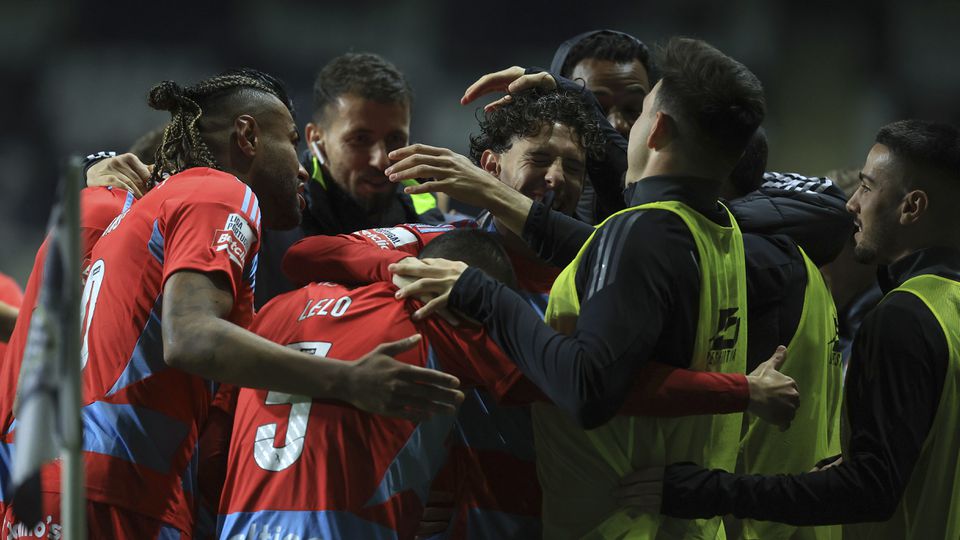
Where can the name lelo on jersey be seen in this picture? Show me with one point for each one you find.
(334, 307)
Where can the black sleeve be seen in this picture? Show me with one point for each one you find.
(893, 391)
(554, 236)
(91, 160)
(627, 293)
(605, 172)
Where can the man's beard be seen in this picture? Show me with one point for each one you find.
(377, 203)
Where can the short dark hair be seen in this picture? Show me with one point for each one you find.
(609, 45)
(477, 248)
(527, 113)
(367, 75)
(711, 92)
(747, 175)
(933, 146)
(183, 145)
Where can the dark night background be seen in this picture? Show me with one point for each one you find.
(75, 75)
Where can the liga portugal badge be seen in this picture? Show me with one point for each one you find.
(235, 238)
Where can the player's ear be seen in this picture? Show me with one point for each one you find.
(248, 134)
(490, 162)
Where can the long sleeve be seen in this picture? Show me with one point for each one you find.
(554, 236)
(624, 315)
(893, 390)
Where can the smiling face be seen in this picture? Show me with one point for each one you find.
(551, 160)
(876, 206)
(619, 87)
(355, 139)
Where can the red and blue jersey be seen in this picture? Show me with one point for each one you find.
(491, 469)
(311, 468)
(98, 207)
(142, 418)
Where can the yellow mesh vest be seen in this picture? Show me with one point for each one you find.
(579, 469)
(814, 433)
(930, 506)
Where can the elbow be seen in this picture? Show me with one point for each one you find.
(185, 344)
(882, 507)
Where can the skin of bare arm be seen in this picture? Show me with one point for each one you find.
(198, 339)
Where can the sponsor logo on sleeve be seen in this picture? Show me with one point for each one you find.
(235, 238)
(389, 238)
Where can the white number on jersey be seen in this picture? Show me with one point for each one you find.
(273, 458)
(88, 304)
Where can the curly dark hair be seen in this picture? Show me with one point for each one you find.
(610, 45)
(367, 75)
(528, 113)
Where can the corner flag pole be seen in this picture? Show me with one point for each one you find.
(72, 501)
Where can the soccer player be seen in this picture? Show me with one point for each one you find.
(537, 145)
(361, 111)
(169, 292)
(676, 293)
(98, 207)
(899, 476)
(314, 469)
(618, 69)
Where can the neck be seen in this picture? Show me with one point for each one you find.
(669, 164)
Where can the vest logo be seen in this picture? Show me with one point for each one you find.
(724, 341)
(836, 355)
(235, 238)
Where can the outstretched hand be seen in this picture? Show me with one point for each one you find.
(380, 384)
(509, 81)
(774, 397)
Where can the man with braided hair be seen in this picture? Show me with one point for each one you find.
(168, 296)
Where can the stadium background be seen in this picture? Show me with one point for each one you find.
(75, 74)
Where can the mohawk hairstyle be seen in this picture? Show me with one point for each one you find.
(610, 45)
(527, 113)
(182, 146)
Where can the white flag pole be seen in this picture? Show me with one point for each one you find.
(73, 504)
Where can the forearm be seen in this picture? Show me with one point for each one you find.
(216, 349)
(573, 374)
(666, 391)
(851, 492)
(339, 259)
(556, 237)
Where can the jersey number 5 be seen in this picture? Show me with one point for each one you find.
(278, 458)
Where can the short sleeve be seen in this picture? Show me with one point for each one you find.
(214, 230)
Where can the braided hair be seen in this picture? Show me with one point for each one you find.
(182, 145)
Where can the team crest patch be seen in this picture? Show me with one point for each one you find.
(235, 238)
